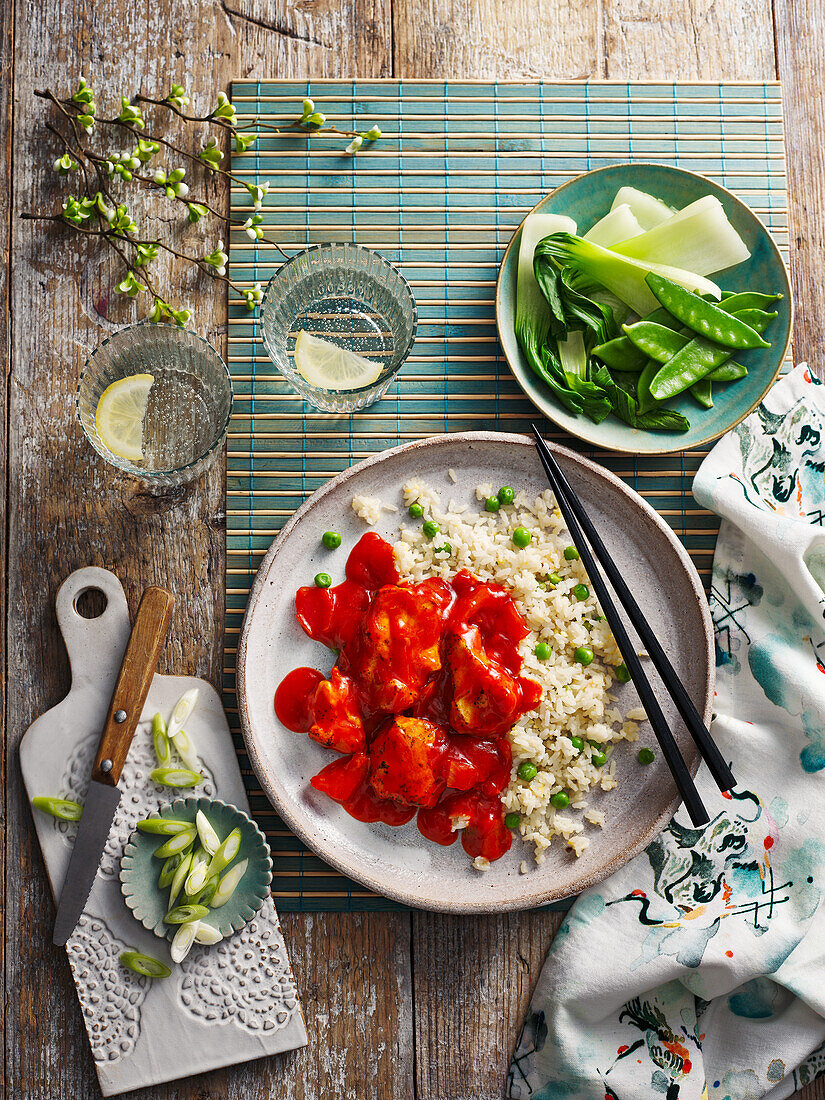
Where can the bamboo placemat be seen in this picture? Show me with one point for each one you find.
(457, 168)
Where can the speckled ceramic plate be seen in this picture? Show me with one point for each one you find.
(399, 862)
(139, 869)
(585, 199)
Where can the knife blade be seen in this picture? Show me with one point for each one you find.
(139, 662)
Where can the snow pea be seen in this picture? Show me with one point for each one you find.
(644, 397)
(704, 318)
(693, 362)
(757, 318)
(622, 354)
(655, 341)
(728, 372)
(702, 391)
(747, 299)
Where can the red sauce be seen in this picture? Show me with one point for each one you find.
(425, 688)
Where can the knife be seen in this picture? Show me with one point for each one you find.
(139, 662)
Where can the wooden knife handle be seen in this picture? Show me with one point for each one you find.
(139, 663)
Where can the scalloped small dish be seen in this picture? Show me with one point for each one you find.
(139, 869)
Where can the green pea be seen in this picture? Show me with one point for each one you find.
(599, 759)
(527, 771)
(560, 800)
(543, 651)
(415, 510)
(431, 528)
(512, 821)
(646, 756)
(622, 673)
(492, 504)
(506, 495)
(521, 537)
(581, 591)
(577, 743)
(323, 580)
(331, 540)
(571, 553)
(555, 578)
(584, 655)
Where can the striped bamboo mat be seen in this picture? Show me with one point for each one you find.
(457, 168)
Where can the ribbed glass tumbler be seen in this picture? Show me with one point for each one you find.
(189, 403)
(351, 297)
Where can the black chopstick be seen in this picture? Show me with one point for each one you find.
(717, 765)
(570, 511)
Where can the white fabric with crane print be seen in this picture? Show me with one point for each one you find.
(696, 972)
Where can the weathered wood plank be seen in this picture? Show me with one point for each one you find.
(799, 27)
(66, 509)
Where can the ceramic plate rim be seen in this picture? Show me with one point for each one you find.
(586, 434)
(526, 897)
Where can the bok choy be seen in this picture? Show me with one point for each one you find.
(699, 238)
(646, 209)
(621, 275)
(617, 226)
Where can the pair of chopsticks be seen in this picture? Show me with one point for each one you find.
(585, 536)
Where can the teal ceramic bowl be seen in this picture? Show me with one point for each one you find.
(139, 869)
(586, 199)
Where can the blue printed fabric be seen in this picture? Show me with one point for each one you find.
(698, 970)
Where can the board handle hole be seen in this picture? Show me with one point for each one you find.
(90, 603)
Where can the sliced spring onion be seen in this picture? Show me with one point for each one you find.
(176, 777)
(181, 711)
(208, 892)
(229, 884)
(226, 853)
(167, 871)
(621, 275)
(183, 914)
(196, 879)
(163, 826)
(206, 933)
(179, 879)
(183, 940)
(699, 238)
(186, 750)
(532, 311)
(572, 354)
(209, 838)
(176, 844)
(163, 750)
(145, 965)
(646, 209)
(64, 808)
(619, 225)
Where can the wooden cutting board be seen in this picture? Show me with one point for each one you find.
(225, 1004)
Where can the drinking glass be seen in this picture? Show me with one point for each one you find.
(350, 296)
(189, 406)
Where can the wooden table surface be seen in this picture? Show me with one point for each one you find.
(398, 1006)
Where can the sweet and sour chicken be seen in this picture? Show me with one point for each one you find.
(425, 687)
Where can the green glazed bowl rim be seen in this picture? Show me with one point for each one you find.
(251, 892)
(549, 407)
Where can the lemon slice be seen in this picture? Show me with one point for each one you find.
(120, 413)
(330, 367)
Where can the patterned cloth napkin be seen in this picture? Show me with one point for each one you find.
(698, 970)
